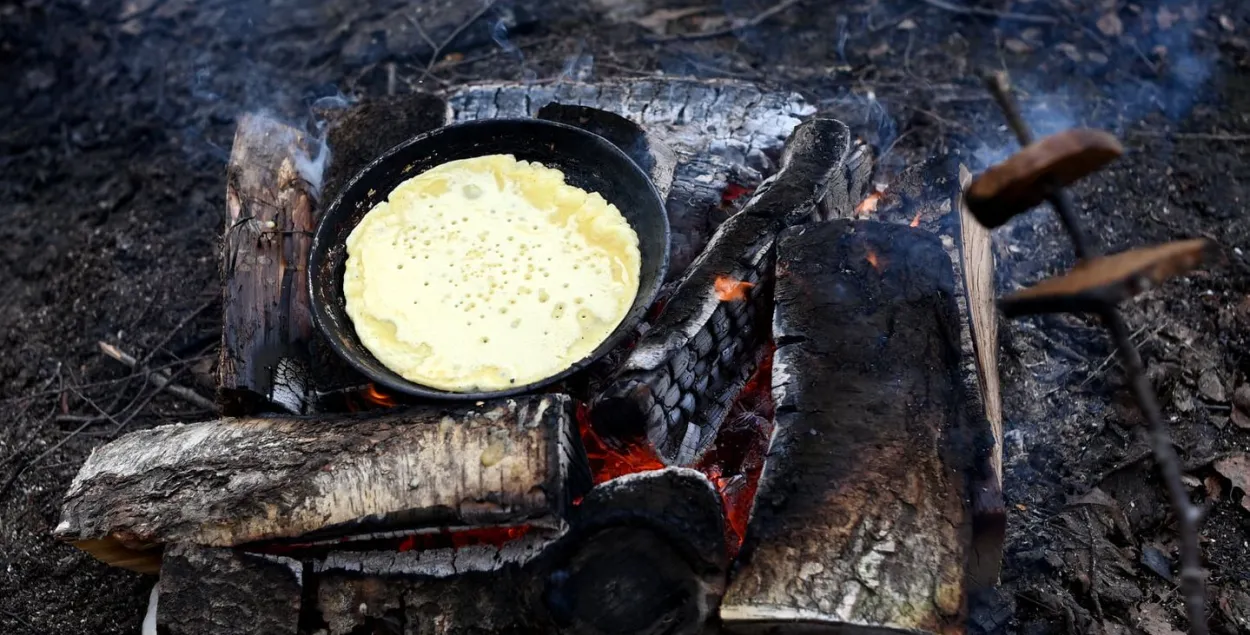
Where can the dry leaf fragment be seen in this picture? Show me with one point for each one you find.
(907, 25)
(1110, 25)
(1227, 24)
(657, 21)
(1236, 468)
(1017, 46)
(1153, 620)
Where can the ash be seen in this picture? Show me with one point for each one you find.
(119, 117)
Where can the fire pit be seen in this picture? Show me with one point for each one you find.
(803, 431)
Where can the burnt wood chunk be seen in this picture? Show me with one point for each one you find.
(651, 154)
(1099, 283)
(723, 132)
(645, 555)
(859, 524)
(465, 604)
(238, 481)
(1034, 173)
(365, 131)
(271, 190)
(216, 591)
(706, 342)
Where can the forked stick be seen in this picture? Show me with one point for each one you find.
(1188, 516)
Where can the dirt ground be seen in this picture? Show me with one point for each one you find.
(117, 123)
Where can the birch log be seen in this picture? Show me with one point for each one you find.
(238, 481)
(859, 524)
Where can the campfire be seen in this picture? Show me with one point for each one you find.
(804, 430)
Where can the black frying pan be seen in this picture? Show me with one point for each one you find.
(588, 162)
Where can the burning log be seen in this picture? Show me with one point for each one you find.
(1098, 283)
(1025, 180)
(214, 591)
(644, 554)
(722, 132)
(239, 481)
(271, 190)
(645, 149)
(365, 131)
(859, 524)
(676, 386)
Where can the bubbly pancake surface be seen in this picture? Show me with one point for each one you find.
(488, 273)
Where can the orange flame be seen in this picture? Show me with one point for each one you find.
(915, 222)
(729, 289)
(873, 260)
(376, 397)
(869, 205)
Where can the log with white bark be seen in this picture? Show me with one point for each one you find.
(860, 523)
(267, 328)
(238, 481)
(723, 132)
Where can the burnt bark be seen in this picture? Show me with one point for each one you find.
(270, 215)
(722, 132)
(646, 149)
(238, 481)
(859, 525)
(644, 554)
(677, 384)
(215, 591)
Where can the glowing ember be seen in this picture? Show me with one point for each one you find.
(873, 260)
(376, 397)
(458, 539)
(732, 193)
(729, 290)
(607, 463)
(915, 222)
(869, 205)
(735, 460)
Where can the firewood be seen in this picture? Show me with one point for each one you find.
(646, 149)
(267, 324)
(722, 132)
(216, 591)
(238, 481)
(1098, 283)
(860, 524)
(675, 388)
(1027, 178)
(644, 553)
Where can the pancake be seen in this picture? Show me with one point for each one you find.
(488, 273)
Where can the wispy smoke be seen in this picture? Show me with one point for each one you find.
(499, 33)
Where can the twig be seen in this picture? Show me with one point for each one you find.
(1188, 516)
(455, 34)
(174, 331)
(159, 379)
(1093, 566)
(751, 22)
(35, 461)
(1194, 136)
(143, 404)
(991, 13)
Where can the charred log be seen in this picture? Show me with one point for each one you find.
(271, 189)
(930, 196)
(215, 591)
(646, 555)
(366, 130)
(651, 154)
(238, 481)
(859, 525)
(722, 133)
(678, 382)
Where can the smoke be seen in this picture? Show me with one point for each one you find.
(499, 33)
(1141, 63)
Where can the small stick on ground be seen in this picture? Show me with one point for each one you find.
(990, 13)
(734, 27)
(159, 379)
(438, 50)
